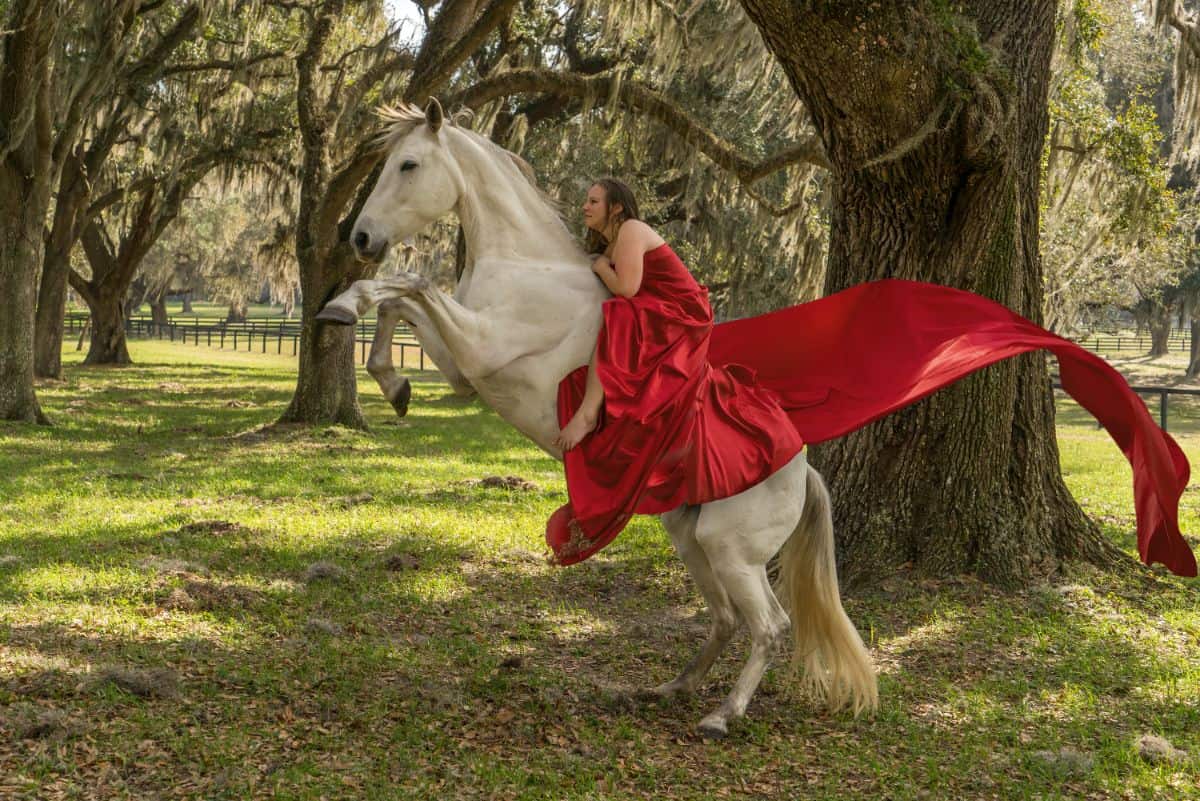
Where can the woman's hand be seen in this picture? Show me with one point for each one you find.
(601, 264)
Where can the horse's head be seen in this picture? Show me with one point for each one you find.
(419, 184)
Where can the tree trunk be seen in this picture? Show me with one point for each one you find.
(27, 173)
(1193, 368)
(20, 251)
(48, 324)
(108, 330)
(158, 311)
(237, 311)
(326, 390)
(935, 178)
(187, 304)
(1160, 332)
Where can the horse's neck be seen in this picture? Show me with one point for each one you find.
(503, 216)
(525, 267)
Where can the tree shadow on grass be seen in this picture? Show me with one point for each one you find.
(522, 665)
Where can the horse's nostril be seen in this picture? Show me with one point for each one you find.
(361, 240)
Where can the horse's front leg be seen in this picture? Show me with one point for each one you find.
(467, 335)
(431, 342)
(396, 389)
(362, 296)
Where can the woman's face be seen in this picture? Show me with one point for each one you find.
(595, 208)
(597, 211)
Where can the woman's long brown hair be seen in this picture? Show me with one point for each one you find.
(614, 192)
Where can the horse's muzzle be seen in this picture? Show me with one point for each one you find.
(368, 248)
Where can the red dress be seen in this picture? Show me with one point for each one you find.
(694, 413)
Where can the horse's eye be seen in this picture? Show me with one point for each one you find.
(408, 165)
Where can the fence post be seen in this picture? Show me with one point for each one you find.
(1162, 409)
(235, 339)
(279, 346)
(295, 343)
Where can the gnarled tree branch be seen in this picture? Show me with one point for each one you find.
(639, 97)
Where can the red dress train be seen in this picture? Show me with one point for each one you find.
(695, 412)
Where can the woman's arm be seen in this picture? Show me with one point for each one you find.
(603, 268)
(623, 275)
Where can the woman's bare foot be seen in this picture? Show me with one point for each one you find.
(578, 427)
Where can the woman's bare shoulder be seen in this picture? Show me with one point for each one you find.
(641, 233)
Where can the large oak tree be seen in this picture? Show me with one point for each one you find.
(933, 116)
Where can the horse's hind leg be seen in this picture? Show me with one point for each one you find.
(739, 535)
(681, 526)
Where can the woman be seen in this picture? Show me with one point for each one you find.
(611, 215)
(652, 424)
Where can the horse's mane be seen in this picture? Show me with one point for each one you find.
(401, 120)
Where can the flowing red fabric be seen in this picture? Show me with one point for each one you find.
(696, 412)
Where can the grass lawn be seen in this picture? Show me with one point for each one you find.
(192, 609)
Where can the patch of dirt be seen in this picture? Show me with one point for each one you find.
(502, 482)
(26, 721)
(144, 683)
(9, 560)
(315, 626)
(213, 528)
(50, 682)
(356, 500)
(323, 571)
(172, 567)
(238, 404)
(207, 595)
(172, 386)
(1067, 760)
(1158, 750)
(129, 476)
(398, 562)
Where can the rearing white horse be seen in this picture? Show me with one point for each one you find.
(525, 313)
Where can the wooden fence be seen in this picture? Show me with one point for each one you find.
(252, 335)
(260, 334)
(1162, 393)
(1100, 343)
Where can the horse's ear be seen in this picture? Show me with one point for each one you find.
(434, 115)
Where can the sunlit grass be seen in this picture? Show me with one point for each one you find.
(350, 615)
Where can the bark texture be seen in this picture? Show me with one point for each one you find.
(69, 207)
(933, 118)
(26, 176)
(23, 201)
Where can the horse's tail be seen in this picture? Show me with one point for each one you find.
(836, 666)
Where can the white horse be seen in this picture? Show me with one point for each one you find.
(525, 313)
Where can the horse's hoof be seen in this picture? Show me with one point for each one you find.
(337, 316)
(713, 730)
(401, 398)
